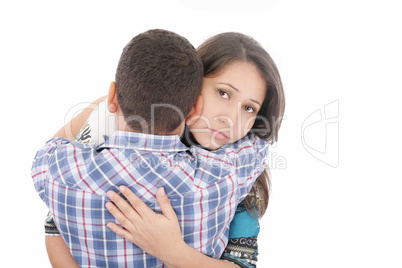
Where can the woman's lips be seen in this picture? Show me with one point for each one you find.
(219, 135)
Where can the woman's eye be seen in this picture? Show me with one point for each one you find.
(224, 94)
(249, 109)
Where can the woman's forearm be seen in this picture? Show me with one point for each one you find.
(59, 255)
(71, 129)
(190, 257)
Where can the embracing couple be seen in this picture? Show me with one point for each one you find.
(167, 169)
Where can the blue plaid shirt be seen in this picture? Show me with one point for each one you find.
(204, 188)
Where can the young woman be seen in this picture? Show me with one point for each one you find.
(243, 94)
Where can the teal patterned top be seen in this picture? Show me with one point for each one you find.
(242, 246)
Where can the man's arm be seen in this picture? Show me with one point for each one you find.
(57, 250)
(58, 253)
(244, 158)
(71, 129)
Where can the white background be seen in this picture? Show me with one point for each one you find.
(343, 213)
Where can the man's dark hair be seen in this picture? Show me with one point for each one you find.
(158, 79)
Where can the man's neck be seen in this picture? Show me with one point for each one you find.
(121, 125)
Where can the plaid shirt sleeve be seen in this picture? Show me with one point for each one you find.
(40, 166)
(244, 159)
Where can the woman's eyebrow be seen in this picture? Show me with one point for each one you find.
(230, 85)
(259, 104)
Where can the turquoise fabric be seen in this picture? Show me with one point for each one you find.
(243, 225)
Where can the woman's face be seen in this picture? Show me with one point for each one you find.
(232, 99)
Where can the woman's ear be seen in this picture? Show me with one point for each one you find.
(196, 111)
(112, 103)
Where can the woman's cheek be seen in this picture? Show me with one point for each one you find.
(249, 122)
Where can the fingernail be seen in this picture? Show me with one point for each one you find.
(122, 189)
(161, 191)
(110, 194)
(108, 206)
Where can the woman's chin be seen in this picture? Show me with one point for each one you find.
(212, 146)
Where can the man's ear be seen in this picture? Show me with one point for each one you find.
(112, 103)
(196, 111)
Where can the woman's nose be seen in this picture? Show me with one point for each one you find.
(230, 117)
(226, 120)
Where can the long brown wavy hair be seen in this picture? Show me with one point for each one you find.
(219, 51)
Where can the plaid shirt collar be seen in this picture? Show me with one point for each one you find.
(146, 142)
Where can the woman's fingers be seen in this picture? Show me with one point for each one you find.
(127, 223)
(142, 209)
(138, 210)
(165, 205)
(153, 232)
(125, 211)
(120, 231)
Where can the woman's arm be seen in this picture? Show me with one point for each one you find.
(59, 255)
(157, 234)
(71, 129)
